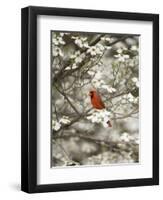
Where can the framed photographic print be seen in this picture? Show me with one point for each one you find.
(90, 99)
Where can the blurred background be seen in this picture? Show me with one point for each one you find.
(105, 63)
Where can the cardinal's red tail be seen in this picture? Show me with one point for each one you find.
(109, 123)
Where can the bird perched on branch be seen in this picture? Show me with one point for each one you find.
(97, 102)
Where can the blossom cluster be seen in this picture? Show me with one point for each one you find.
(129, 97)
(56, 125)
(135, 81)
(76, 58)
(100, 116)
(126, 137)
(80, 41)
(123, 53)
(57, 41)
(98, 82)
(97, 49)
(121, 56)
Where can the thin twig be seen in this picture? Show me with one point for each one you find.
(68, 100)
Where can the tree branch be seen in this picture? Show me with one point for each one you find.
(68, 100)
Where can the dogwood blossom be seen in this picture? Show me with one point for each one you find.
(56, 125)
(131, 98)
(68, 68)
(81, 41)
(100, 116)
(135, 80)
(120, 51)
(78, 57)
(76, 54)
(98, 83)
(62, 34)
(65, 120)
(57, 52)
(107, 47)
(109, 88)
(125, 137)
(134, 48)
(58, 40)
(106, 38)
(122, 57)
(121, 54)
(92, 50)
(73, 66)
(96, 50)
(91, 73)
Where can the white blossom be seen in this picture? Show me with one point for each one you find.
(120, 51)
(64, 120)
(131, 63)
(106, 38)
(136, 81)
(81, 41)
(137, 84)
(76, 54)
(98, 75)
(68, 68)
(98, 83)
(92, 51)
(58, 40)
(62, 34)
(108, 47)
(96, 50)
(131, 98)
(57, 52)
(100, 46)
(122, 57)
(78, 57)
(91, 72)
(136, 140)
(74, 66)
(100, 116)
(56, 125)
(109, 88)
(134, 48)
(125, 137)
(87, 148)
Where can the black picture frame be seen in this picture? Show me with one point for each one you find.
(29, 99)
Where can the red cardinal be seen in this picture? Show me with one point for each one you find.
(97, 102)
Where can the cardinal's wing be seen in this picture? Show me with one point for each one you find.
(100, 101)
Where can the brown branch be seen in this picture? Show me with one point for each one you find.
(67, 157)
(126, 116)
(68, 100)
